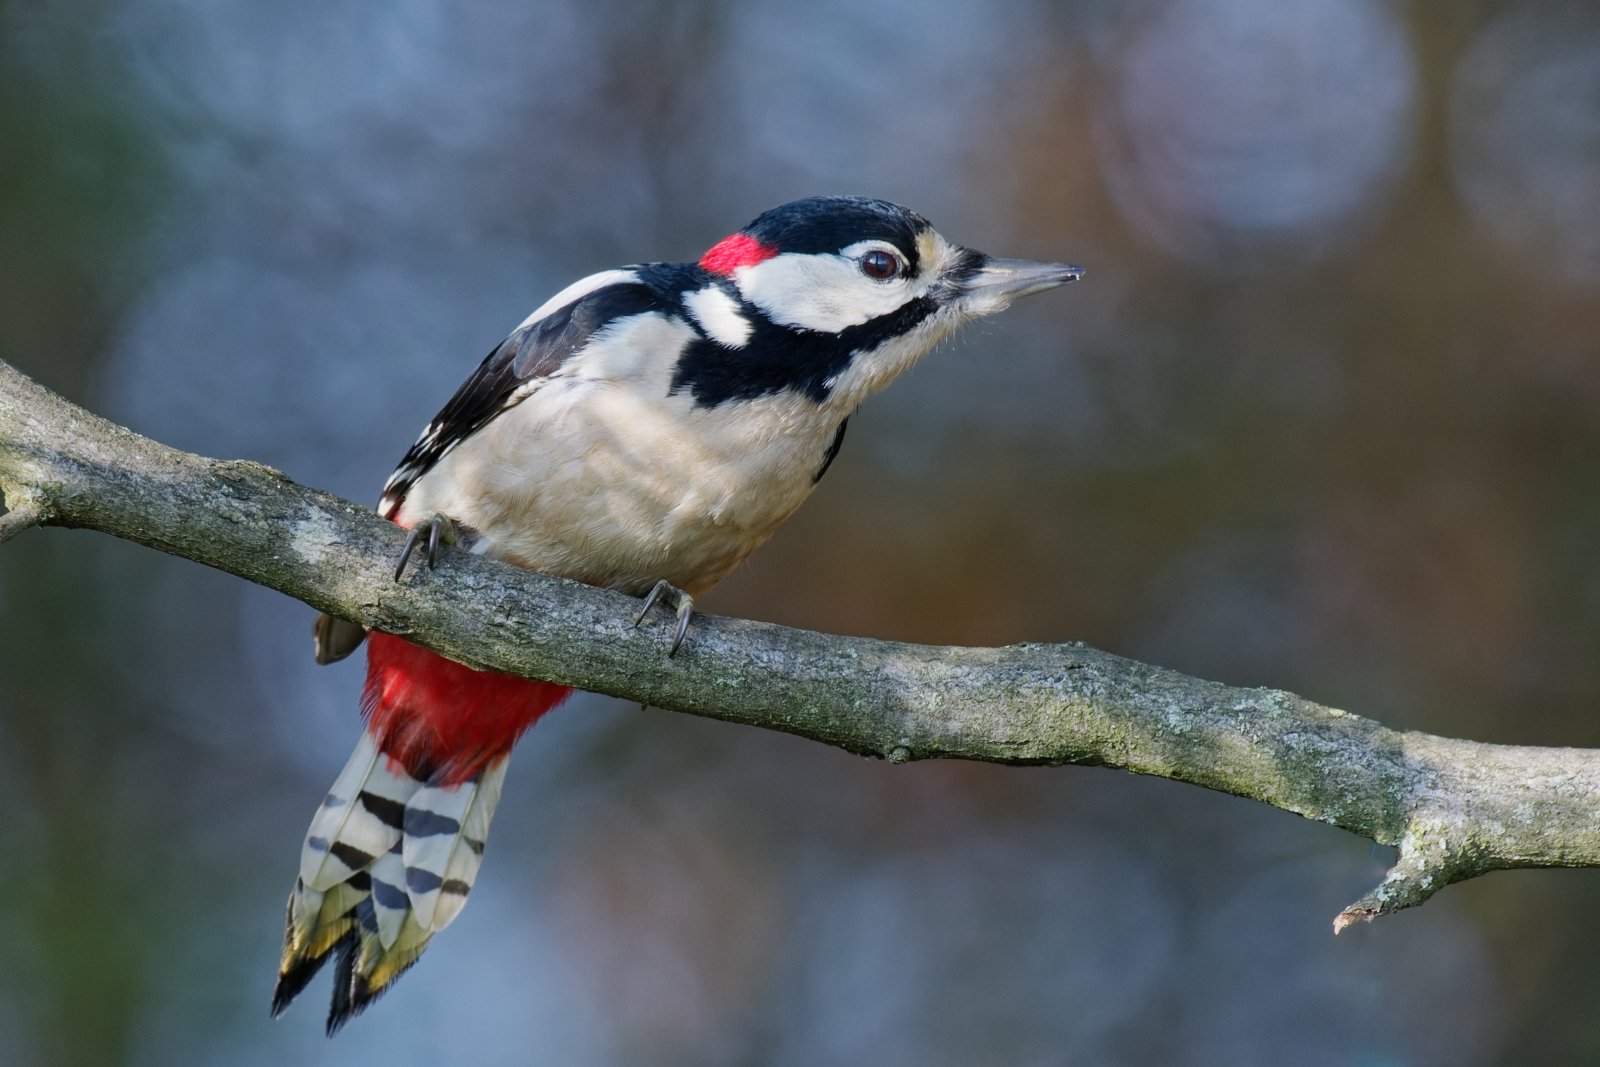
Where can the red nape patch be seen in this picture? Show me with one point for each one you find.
(444, 722)
(738, 250)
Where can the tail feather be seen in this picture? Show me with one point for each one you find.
(445, 831)
(355, 830)
(360, 819)
(301, 960)
(374, 966)
(417, 887)
(395, 848)
(318, 922)
(389, 900)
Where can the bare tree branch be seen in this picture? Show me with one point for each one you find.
(1455, 809)
(24, 516)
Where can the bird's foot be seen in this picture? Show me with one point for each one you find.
(439, 528)
(668, 593)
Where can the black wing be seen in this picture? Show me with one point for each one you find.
(533, 351)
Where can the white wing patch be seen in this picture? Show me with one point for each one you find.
(719, 316)
(631, 349)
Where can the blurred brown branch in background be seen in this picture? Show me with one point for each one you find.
(1454, 809)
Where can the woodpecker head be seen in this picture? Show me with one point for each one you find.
(869, 283)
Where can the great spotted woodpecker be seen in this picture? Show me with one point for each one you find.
(644, 430)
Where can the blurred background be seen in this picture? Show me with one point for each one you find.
(1324, 415)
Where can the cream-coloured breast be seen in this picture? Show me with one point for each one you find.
(601, 476)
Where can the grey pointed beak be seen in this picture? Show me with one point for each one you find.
(1005, 280)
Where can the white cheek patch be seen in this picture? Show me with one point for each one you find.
(719, 316)
(580, 289)
(827, 293)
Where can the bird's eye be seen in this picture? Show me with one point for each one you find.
(880, 265)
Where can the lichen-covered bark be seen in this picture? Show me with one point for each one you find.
(1454, 808)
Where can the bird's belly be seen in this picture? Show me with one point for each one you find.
(600, 483)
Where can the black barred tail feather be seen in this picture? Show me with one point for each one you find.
(387, 863)
(393, 852)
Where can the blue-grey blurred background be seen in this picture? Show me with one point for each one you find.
(1324, 415)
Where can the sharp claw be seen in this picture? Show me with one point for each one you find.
(685, 613)
(664, 590)
(650, 602)
(440, 528)
(405, 554)
(433, 539)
